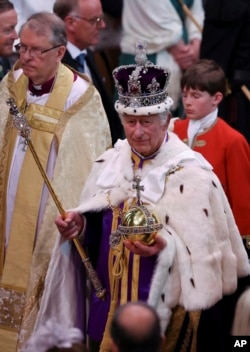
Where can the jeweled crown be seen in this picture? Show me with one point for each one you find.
(142, 87)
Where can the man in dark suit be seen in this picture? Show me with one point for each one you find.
(113, 8)
(84, 21)
(8, 21)
(226, 33)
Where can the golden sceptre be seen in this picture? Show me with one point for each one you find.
(20, 122)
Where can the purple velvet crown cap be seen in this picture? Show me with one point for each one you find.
(151, 79)
(142, 88)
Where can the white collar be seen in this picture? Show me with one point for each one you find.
(198, 126)
(153, 177)
(74, 51)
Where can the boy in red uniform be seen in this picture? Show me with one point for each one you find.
(203, 88)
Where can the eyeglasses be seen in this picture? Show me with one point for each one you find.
(96, 21)
(34, 52)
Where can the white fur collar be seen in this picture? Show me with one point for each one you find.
(152, 176)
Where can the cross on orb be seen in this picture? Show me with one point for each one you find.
(138, 189)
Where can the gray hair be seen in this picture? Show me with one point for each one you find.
(49, 25)
(164, 116)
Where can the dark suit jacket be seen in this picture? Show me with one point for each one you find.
(225, 39)
(4, 66)
(113, 8)
(225, 36)
(113, 118)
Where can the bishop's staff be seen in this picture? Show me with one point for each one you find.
(20, 122)
(189, 14)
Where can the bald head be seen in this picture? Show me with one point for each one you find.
(136, 327)
(137, 319)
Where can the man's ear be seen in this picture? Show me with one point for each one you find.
(69, 22)
(113, 346)
(218, 98)
(61, 52)
(168, 120)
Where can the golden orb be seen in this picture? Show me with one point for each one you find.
(139, 224)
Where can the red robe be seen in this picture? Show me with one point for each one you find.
(229, 154)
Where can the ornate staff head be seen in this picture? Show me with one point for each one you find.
(19, 120)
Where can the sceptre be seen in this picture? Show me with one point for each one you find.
(20, 122)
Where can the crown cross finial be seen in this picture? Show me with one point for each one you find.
(141, 54)
(138, 189)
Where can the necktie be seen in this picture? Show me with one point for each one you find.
(80, 59)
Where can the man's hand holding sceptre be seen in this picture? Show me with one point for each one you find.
(70, 225)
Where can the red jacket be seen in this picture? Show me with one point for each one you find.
(229, 154)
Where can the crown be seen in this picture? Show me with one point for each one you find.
(142, 87)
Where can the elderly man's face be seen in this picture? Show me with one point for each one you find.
(39, 66)
(83, 28)
(8, 21)
(144, 133)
